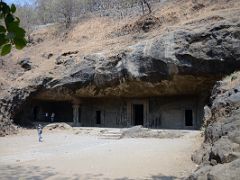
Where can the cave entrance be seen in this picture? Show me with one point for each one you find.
(35, 113)
(53, 111)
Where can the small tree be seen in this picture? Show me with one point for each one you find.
(65, 11)
(146, 2)
(44, 10)
(27, 14)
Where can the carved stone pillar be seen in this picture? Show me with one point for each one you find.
(76, 114)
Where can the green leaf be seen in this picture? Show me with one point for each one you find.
(13, 8)
(10, 35)
(2, 29)
(9, 19)
(6, 49)
(3, 39)
(4, 8)
(17, 20)
(20, 43)
(1, 16)
(20, 32)
(14, 28)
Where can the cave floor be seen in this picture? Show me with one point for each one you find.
(65, 155)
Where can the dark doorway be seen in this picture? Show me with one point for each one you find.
(35, 113)
(188, 118)
(59, 111)
(138, 114)
(98, 117)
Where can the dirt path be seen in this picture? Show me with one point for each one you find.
(64, 155)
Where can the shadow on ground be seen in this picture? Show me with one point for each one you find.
(163, 177)
(19, 172)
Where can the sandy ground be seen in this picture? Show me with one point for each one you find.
(65, 155)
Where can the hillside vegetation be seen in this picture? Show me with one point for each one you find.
(93, 34)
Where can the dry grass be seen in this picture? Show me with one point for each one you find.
(94, 35)
(232, 80)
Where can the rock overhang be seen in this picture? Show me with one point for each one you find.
(186, 60)
(212, 51)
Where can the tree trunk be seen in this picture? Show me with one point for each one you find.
(142, 5)
(148, 5)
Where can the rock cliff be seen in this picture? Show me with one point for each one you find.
(186, 60)
(181, 58)
(219, 156)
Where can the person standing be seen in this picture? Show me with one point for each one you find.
(39, 129)
(46, 117)
(52, 117)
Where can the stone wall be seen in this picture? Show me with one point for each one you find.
(166, 112)
(169, 112)
(113, 112)
(159, 112)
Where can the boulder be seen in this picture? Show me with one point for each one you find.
(228, 171)
(141, 132)
(200, 173)
(58, 126)
(26, 64)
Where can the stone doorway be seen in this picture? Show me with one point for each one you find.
(98, 118)
(138, 114)
(188, 118)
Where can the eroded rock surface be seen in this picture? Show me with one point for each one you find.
(219, 156)
(186, 60)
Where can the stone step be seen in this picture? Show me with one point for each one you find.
(111, 135)
(112, 132)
